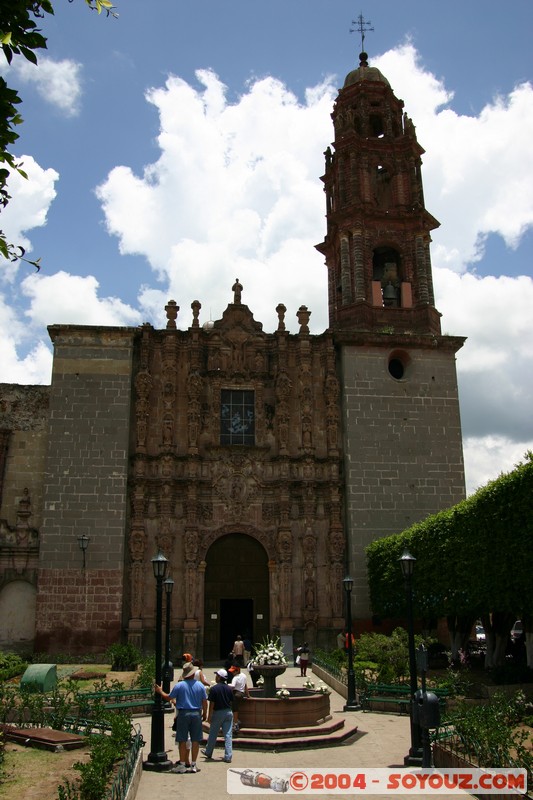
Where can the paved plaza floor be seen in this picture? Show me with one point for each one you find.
(382, 740)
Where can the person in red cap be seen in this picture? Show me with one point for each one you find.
(240, 691)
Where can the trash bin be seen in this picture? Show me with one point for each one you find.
(39, 678)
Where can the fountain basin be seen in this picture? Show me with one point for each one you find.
(303, 708)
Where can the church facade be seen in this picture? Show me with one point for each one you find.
(260, 464)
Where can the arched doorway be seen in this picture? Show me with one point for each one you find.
(237, 594)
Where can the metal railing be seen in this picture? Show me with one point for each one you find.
(123, 778)
(335, 672)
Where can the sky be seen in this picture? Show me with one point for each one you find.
(181, 145)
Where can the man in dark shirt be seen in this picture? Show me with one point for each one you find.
(220, 715)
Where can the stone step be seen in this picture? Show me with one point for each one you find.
(326, 735)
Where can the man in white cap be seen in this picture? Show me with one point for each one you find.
(220, 716)
(191, 705)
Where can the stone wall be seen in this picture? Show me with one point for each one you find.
(24, 423)
(403, 448)
(85, 490)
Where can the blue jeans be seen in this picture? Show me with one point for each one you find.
(220, 719)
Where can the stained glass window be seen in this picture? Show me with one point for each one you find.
(237, 417)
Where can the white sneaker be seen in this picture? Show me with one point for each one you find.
(179, 769)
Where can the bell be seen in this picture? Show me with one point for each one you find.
(390, 297)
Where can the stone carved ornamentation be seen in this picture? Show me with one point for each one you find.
(194, 410)
(284, 545)
(283, 389)
(143, 387)
(137, 544)
(285, 589)
(24, 510)
(309, 546)
(137, 589)
(191, 545)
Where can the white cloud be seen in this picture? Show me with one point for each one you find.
(234, 193)
(57, 82)
(36, 366)
(30, 202)
(74, 300)
(490, 456)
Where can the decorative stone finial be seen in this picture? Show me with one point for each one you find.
(172, 313)
(196, 306)
(280, 310)
(303, 315)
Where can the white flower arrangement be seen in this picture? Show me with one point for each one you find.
(270, 653)
(283, 692)
(322, 689)
(260, 681)
(308, 684)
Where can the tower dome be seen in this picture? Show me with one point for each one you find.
(364, 73)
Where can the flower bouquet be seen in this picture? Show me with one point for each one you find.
(283, 692)
(270, 653)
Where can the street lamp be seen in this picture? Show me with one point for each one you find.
(407, 563)
(83, 542)
(351, 702)
(168, 669)
(157, 760)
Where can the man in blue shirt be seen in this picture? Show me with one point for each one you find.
(191, 704)
(220, 715)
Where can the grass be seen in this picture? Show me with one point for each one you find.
(34, 774)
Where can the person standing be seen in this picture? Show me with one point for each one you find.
(220, 716)
(240, 691)
(191, 706)
(199, 674)
(247, 649)
(303, 653)
(238, 651)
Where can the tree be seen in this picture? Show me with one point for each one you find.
(474, 560)
(20, 36)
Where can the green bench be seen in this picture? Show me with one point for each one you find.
(398, 694)
(120, 699)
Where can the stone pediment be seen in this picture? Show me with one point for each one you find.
(237, 318)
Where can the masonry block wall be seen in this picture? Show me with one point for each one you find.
(403, 455)
(24, 425)
(85, 490)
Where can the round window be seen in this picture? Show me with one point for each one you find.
(398, 364)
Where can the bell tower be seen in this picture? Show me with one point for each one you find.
(378, 230)
(401, 427)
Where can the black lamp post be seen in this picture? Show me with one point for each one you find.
(157, 760)
(407, 563)
(168, 668)
(351, 701)
(83, 542)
